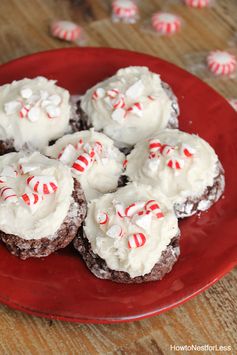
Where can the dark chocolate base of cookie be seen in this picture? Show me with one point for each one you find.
(6, 146)
(206, 200)
(46, 245)
(100, 269)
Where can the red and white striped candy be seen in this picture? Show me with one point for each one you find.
(31, 199)
(8, 194)
(233, 103)
(3, 180)
(153, 206)
(136, 109)
(115, 231)
(119, 102)
(124, 8)
(166, 23)
(120, 211)
(24, 111)
(98, 147)
(154, 145)
(125, 163)
(82, 163)
(99, 93)
(133, 208)
(79, 144)
(175, 163)
(136, 240)
(198, 3)
(187, 151)
(113, 93)
(67, 153)
(42, 184)
(221, 63)
(66, 30)
(142, 219)
(102, 217)
(166, 149)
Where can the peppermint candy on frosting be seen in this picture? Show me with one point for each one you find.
(115, 231)
(8, 194)
(198, 3)
(166, 23)
(42, 184)
(66, 30)
(153, 206)
(102, 218)
(221, 62)
(82, 163)
(125, 9)
(136, 240)
(133, 208)
(31, 199)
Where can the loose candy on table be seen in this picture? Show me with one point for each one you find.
(198, 3)
(42, 184)
(221, 63)
(31, 199)
(67, 31)
(136, 240)
(166, 23)
(125, 11)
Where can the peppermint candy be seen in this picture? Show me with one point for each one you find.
(166, 23)
(31, 199)
(119, 102)
(8, 194)
(82, 163)
(153, 206)
(115, 231)
(142, 219)
(186, 150)
(99, 93)
(135, 90)
(125, 163)
(198, 3)
(221, 63)
(154, 145)
(112, 93)
(66, 30)
(102, 218)
(25, 168)
(67, 154)
(136, 240)
(125, 9)
(136, 109)
(120, 210)
(175, 163)
(42, 184)
(134, 208)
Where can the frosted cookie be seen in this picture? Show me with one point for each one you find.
(130, 105)
(94, 160)
(32, 113)
(129, 236)
(41, 205)
(182, 166)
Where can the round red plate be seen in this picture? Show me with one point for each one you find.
(60, 286)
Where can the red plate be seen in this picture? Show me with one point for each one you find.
(60, 286)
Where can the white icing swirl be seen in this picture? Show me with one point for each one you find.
(115, 251)
(135, 85)
(103, 174)
(196, 172)
(45, 109)
(46, 218)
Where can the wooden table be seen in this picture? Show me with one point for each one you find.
(210, 318)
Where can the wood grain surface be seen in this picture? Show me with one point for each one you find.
(210, 318)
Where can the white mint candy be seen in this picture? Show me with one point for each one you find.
(143, 221)
(26, 93)
(55, 99)
(34, 114)
(118, 115)
(135, 90)
(53, 111)
(12, 107)
(115, 231)
(68, 155)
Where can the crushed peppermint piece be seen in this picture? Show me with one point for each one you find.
(115, 231)
(26, 93)
(53, 111)
(135, 90)
(136, 240)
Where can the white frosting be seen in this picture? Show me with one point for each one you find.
(43, 99)
(103, 174)
(196, 173)
(114, 250)
(136, 84)
(45, 218)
